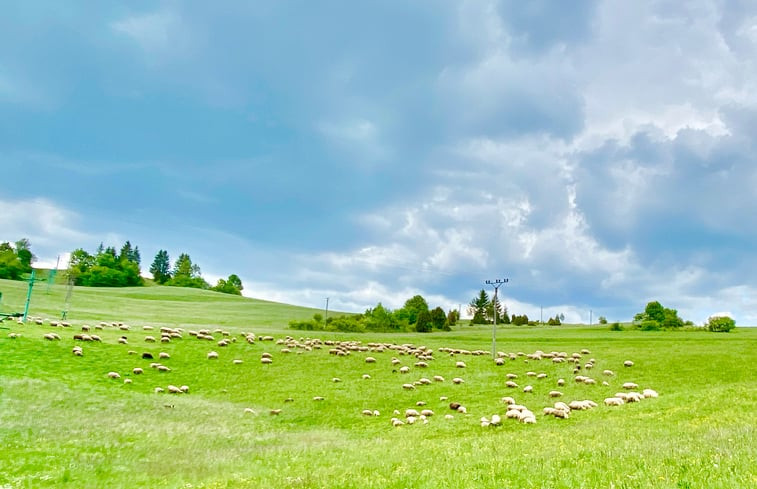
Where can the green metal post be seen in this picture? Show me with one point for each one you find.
(28, 296)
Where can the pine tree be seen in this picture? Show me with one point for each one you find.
(161, 267)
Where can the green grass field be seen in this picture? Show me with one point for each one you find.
(63, 423)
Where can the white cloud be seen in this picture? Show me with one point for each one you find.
(157, 33)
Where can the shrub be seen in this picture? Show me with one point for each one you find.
(649, 325)
(616, 327)
(720, 324)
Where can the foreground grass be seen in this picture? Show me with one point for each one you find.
(64, 424)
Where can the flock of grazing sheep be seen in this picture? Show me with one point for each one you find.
(420, 358)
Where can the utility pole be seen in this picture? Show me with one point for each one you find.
(28, 296)
(327, 310)
(496, 284)
(591, 317)
(541, 315)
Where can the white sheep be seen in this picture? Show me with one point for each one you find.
(249, 411)
(366, 376)
(511, 384)
(172, 389)
(511, 376)
(113, 375)
(163, 355)
(405, 370)
(137, 371)
(614, 401)
(438, 378)
(630, 385)
(460, 365)
(628, 363)
(212, 355)
(555, 394)
(237, 361)
(458, 380)
(370, 360)
(149, 339)
(266, 360)
(560, 382)
(649, 393)
(609, 373)
(508, 400)
(408, 387)
(528, 389)
(127, 381)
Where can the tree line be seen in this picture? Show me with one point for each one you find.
(110, 268)
(15, 259)
(414, 315)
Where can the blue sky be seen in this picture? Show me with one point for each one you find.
(598, 154)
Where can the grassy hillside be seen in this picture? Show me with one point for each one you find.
(64, 423)
(171, 306)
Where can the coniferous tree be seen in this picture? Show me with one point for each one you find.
(161, 267)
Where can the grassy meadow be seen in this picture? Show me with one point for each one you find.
(63, 423)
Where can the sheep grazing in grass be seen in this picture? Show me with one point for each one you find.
(458, 380)
(172, 389)
(462, 410)
(184, 389)
(265, 354)
(454, 406)
(127, 381)
(137, 371)
(395, 361)
(531, 374)
(397, 422)
(421, 364)
(528, 389)
(499, 361)
(275, 412)
(649, 393)
(249, 411)
(266, 360)
(13, 335)
(628, 363)
(443, 398)
(404, 370)
(511, 376)
(510, 384)
(212, 355)
(411, 412)
(113, 375)
(367, 412)
(319, 398)
(438, 378)
(420, 403)
(630, 385)
(508, 400)
(555, 394)
(427, 412)
(370, 360)
(560, 382)
(95, 338)
(237, 361)
(460, 365)
(448, 416)
(541, 376)
(408, 387)
(608, 373)
(52, 337)
(149, 339)
(336, 379)
(630, 396)
(122, 340)
(163, 368)
(366, 376)
(585, 352)
(557, 413)
(163, 355)
(582, 405)
(77, 351)
(614, 401)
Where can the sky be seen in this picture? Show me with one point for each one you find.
(598, 155)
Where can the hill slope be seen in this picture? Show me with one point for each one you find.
(154, 305)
